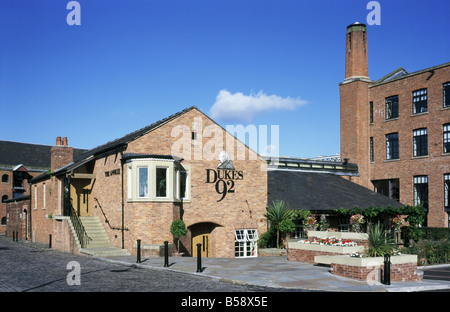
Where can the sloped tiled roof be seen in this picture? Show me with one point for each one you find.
(32, 156)
(321, 191)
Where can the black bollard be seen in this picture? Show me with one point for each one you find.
(17, 236)
(138, 260)
(14, 236)
(49, 240)
(387, 270)
(166, 254)
(199, 257)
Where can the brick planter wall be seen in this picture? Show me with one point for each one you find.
(403, 268)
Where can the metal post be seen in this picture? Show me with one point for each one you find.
(49, 240)
(199, 257)
(387, 270)
(138, 260)
(166, 254)
(14, 236)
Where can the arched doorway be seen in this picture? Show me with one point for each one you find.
(201, 234)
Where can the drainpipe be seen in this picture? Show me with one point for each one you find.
(123, 208)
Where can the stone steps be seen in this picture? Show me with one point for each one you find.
(99, 244)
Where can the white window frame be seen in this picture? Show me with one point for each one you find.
(172, 179)
(246, 243)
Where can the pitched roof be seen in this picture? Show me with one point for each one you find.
(32, 156)
(130, 137)
(317, 191)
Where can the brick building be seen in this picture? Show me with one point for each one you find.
(397, 129)
(19, 163)
(137, 185)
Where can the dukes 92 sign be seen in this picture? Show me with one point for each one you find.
(224, 180)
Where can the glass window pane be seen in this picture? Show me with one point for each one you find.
(161, 182)
(143, 182)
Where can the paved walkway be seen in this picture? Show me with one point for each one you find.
(276, 271)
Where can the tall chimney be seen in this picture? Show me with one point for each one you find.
(61, 154)
(356, 64)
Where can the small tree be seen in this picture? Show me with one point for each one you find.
(178, 229)
(276, 214)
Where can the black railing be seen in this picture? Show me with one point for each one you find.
(79, 228)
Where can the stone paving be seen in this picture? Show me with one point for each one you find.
(27, 267)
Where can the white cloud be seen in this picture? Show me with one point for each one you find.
(238, 106)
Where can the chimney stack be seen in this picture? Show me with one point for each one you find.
(356, 64)
(61, 154)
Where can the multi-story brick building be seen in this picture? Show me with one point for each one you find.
(397, 129)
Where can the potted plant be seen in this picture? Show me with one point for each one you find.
(178, 229)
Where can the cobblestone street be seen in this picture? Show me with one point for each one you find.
(25, 267)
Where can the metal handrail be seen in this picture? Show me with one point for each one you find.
(79, 228)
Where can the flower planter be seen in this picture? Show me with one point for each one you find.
(311, 253)
(402, 268)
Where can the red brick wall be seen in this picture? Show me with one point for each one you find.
(399, 272)
(356, 129)
(150, 221)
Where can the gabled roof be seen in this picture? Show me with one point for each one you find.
(321, 191)
(123, 141)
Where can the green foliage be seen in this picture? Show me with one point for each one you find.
(268, 239)
(415, 217)
(287, 226)
(379, 244)
(178, 228)
(276, 214)
(430, 252)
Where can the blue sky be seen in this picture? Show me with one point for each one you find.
(131, 63)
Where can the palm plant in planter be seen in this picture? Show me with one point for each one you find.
(379, 243)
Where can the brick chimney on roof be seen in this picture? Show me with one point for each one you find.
(61, 154)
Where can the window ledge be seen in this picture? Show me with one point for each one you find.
(391, 160)
(445, 154)
(391, 119)
(420, 157)
(445, 108)
(419, 114)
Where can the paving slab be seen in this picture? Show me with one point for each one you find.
(276, 271)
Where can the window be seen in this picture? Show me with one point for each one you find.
(371, 111)
(157, 179)
(5, 178)
(183, 184)
(390, 188)
(4, 197)
(43, 195)
(420, 142)
(420, 99)
(143, 181)
(392, 151)
(447, 191)
(35, 197)
(371, 149)
(446, 92)
(161, 182)
(447, 138)
(392, 107)
(245, 243)
(421, 191)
